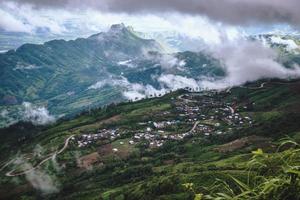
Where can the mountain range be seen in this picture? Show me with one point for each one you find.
(70, 76)
(64, 78)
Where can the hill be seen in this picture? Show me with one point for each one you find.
(67, 77)
(182, 145)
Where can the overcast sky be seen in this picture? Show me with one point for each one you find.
(208, 19)
(229, 11)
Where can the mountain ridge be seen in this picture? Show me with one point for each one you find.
(59, 73)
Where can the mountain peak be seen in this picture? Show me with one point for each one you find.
(117, 27)
(115, 31)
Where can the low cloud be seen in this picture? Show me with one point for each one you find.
(4, 113)
(39, 179)
(42, 181)
(135, 91)
(132, 91)
(38, 115)
(290, 44)
(56, 165)
(169, 61)
(175, 82)
(38, 151)
(246, 61)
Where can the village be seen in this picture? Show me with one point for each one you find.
(203, 114)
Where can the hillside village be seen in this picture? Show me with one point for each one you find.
(201, 136)
(200, 113)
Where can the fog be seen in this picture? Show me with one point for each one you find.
(246, 61)
(38, 115)
(39, 179)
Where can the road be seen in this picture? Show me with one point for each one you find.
(251, 88)
(194, 127)
(180, 97)
(11, 174)
(255, 88)
(5, 165)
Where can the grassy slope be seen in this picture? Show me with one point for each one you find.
(160, 173)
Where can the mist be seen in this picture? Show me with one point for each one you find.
(38, 115)
(39, 179)
(246, 61)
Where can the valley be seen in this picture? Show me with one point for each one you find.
(149, 100)
(158, 144)
(67, 77)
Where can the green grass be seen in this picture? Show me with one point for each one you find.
(159, 173)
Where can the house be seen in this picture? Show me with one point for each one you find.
(131, 142)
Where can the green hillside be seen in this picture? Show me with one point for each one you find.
(59, 74)
(237, 144)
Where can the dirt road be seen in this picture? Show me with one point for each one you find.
(11, 173)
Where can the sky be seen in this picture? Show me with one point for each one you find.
(209, 20)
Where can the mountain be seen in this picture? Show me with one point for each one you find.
(184, 145)
(62, 78)
(286, 43)
(176, 41)
(69, 76)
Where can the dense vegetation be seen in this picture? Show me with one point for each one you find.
(58, 73)
(265, 164)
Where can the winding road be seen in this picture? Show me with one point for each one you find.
(180, 97)
(255, 88)
(11, 173)
(251, 88)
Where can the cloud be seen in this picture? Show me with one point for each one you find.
(169, 61)
(290, 44)
(228, 11)
(63, 21)
(246, 61)
(38, 178)
(36, 114)
(175, 82)
(41, 181)
(8, 22)
(137, 91)
(38, 151)
(132, 91)
(24, 18)
(4, 113)
(56, 165)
